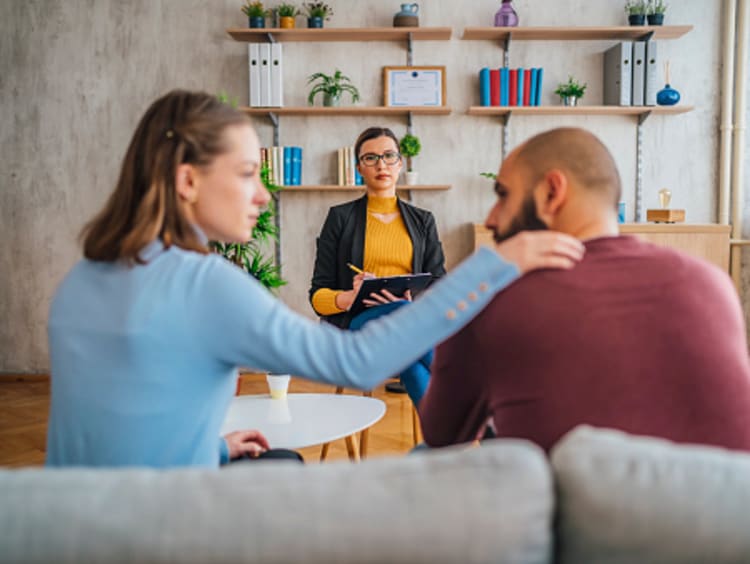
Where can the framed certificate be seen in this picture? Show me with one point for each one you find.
(414, 86)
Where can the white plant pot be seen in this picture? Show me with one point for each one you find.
(411, 178)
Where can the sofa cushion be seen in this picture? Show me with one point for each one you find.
(632, 499)
(490, 504)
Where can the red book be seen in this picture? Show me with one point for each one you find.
(513, 87)
(494, 87)
(526, 86)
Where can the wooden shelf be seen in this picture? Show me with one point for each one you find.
(575, 33)
(359, 189)
(577, 110)
(350, 110)
(342, 34)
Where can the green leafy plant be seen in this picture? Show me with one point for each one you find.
(318, 10)
(657, 7)
(332, 86)
(409, 147)
(286, 10)
(571, 89)
(490, 175)
(251, 256)
(636, 7)
(223, 97)
(254, 10)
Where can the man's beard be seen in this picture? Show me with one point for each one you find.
(526, 220)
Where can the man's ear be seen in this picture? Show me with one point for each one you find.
(550, 195)
(186, 183)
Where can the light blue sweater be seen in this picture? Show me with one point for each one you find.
(144, 358)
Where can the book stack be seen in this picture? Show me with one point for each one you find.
(348, 175)
(265, 72)
(284, 165)
(510, 87)
(631, 74)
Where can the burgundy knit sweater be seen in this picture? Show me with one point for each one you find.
(636, 337)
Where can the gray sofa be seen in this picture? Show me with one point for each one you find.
(604, 497)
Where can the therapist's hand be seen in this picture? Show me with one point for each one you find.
(251, 443)
(384, 297)
(531, 250)
(345, 299)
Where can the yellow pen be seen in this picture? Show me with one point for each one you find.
(354, 268)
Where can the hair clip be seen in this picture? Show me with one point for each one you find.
(170, 134)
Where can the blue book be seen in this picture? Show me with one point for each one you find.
(484, 86)
(519, 100)
(532, 93)
(296, 166)
(504, 81)
(539, 87)
(287, 166)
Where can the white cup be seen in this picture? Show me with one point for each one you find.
(277, 385)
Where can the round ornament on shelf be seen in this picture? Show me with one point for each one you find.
(667, 96)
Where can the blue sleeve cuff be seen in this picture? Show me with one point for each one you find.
(223, 451)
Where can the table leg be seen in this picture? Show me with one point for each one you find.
(415, 429)
(364, 436)
(351, 448)
(324, 449)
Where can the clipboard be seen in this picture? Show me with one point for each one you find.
(396, 285)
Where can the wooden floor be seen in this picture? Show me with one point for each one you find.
(24, 403)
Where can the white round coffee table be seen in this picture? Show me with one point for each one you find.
(303, 420)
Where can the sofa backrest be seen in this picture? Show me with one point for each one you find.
(626, 499)
(490, 504)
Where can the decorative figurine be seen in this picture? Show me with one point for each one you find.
(407, 17)
(506, 16)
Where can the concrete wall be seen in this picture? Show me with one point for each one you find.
(76, 76)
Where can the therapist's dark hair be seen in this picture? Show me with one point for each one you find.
(180, 127)
(373, 133)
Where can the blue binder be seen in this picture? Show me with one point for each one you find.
(484, 86)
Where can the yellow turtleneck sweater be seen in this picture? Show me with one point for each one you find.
(388, 250)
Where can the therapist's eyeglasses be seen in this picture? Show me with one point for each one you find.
(389, 158)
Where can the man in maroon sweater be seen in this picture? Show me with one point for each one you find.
(636, 337)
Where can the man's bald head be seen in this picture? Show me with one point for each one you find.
(576, 152)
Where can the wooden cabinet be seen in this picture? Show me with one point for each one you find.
(709, 242)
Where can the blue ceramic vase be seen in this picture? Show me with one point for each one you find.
(667, 96)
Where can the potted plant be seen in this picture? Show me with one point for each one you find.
(656, 10)
(256, 14)
(251, 256)
(636, 11)
(287, 12)
(570, 92)
(317, 12)
(410, 147)
(332, 87)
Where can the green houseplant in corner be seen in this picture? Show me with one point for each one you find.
(410, 147)
(332, 87)
(251, 256)
(256, 14)
(570, 92)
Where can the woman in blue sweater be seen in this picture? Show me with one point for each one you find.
(147, 331)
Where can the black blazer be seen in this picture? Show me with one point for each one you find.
(342, 240)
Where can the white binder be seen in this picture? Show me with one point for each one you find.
(277, 82)
(254, 74)
(265, 74)
(639, 73)
(652, 73)
(618, 74)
